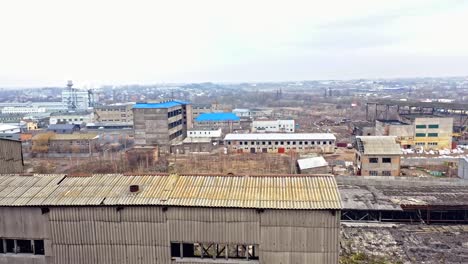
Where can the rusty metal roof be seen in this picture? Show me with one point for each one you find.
(269, 192)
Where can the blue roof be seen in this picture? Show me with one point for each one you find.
(160, 105)
(217, 117)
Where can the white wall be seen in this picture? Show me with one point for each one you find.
(273, 126)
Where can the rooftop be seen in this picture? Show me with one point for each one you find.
(74, 136)
(310, 163)
(269, 192)
(62, 126)
(217, 117)
(397, 193)
(392, 122)
(281, 136)
(378, 145)
(162, 105)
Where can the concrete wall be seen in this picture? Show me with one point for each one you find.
(366, 167)
(127, 235)
(445, 130)
(463, 168)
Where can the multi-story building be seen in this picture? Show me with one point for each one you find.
(161, 124)
(77, 99)
(428, 132)
(280, 142)
(199, 109)
(377, 156)
(167, 219)
(228, 122)
(75, 118)
(117, 113)
(273, 126)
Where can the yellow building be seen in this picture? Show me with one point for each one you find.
(428, 132)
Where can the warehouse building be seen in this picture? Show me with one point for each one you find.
(273, 126)
(377, 156)
(11, 156)
(161, 124)
(164, 219)
(280, 142)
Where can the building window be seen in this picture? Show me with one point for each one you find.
(433, 134)
(421, 126)
(214, 251)
(373, 160)
(420, 134)
(386, 160)
(386, 173)
(373, 173)
(434, 126)
(432, 143)
(420, 144)
(22, 246)
(240, 143)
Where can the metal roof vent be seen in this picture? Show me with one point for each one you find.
(134, 188)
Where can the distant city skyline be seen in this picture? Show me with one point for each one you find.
(45, 43)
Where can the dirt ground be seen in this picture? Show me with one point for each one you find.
(395, 243)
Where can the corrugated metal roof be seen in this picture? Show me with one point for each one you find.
(274, 192)
(380, 145)
(75, 136)
(217, 117)
(311, 163)
(281, 136)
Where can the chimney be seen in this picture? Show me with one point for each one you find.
(134, 188)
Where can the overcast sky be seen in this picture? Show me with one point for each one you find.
(96, 42)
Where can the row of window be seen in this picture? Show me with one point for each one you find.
(427, 126)
(176, 134)
(246, 143)
(428, 143)
(214, 251)
(176, 123)
(384, 173)
(69, 120)
(174, 113)
(376, 160)
(428, 134)
(22, 246)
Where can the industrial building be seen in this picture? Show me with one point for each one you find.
(199, 109)
(60, 145)
(161, 124)
(273, 126)
(77, 99)
(377, 156)
(23, 110)
(427, 132)
(117, 219)
(11, 156)
(280, 142)
(73, 117)
(116, 113)
(205, 133)
(228, 122)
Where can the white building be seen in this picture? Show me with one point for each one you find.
(81, 99)
(23, 110)
(240, 112)
(204, 133)
(76, 118)
(273, 126)
(281, 142)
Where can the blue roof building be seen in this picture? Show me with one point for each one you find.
(217, 117)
